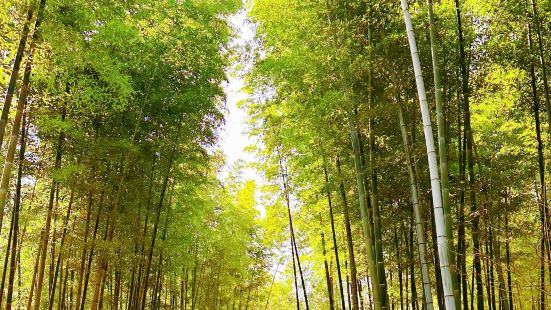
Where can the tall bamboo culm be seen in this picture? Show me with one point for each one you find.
(442, 240)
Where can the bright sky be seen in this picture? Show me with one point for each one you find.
(234, 137)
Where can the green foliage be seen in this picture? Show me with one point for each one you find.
(315, 67)
(125, 102)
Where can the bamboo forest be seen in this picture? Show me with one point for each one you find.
(275, 154)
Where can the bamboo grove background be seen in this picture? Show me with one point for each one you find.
(404, 147)
(412, 137)
(110, 196)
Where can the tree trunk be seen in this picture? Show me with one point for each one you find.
(59, 255)
(156, 224)
(91, 256)
(293, 239)
(35, 272)
(7, 258)
(397, 245)
(63, 299)
(138, 287)
(110, 225)
(53, 243)
(442, 151)
(417, 211)
(327, 276)
(163, 237)
(436, 261)
(102, 291)
(294, 273)
(84, 250)
(15, 73)
(349, 241)
(334, 235)
(16, 209)
(377, 234)
(508, 258)
(72, 291)
(365, 215)
(194, 282)
(101, 272)
(414, 303)
(461, 242)
(347, 284)
(541, 169)
(503, 297)
(541, 54)
(21, 103)
(53, 189)
(469, 160)
(449, 297)
(490, 243)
